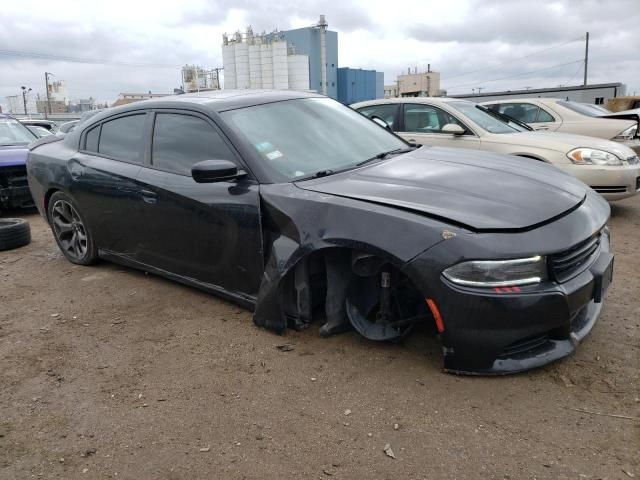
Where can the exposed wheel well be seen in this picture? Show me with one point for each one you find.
(320, 284)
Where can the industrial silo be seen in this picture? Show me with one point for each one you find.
(280, 65)
(229, 64)
(266, 67)
(242, 65)
(298, 66)
(255, 65)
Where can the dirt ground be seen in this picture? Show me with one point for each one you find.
(107, 372)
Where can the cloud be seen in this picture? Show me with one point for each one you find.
(473, 43)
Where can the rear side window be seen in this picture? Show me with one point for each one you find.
(180, 141)
(91, 139)
(543, 116)
(386, 112)
(123, 138)
(525, 112)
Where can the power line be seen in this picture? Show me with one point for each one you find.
(514, 59)
(517, 75)
(95, 61)
(580, 67)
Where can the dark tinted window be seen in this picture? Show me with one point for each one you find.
(386, 112)
(179, 141)
(123, 138)
(91, 140)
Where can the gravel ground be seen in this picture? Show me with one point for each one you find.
(107, 372)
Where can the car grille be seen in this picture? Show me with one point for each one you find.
(569, 263)
(13, 176)
(620, 189)
(524, 346)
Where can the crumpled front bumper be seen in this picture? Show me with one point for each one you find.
(506, 332)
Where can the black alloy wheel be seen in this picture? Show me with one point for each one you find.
(70, 231)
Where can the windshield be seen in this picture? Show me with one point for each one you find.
(299, 138)
(13, 132)
(484, 120)
(584, 108)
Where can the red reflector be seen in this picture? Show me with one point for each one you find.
(436, 314)
(516, 289)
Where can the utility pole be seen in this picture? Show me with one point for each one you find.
(479, 90)
(398, 88)
(586, 58)
(24, 97)
(46, 82)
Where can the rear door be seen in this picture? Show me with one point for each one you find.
(422, 124)
(209, 232)
(104, 183)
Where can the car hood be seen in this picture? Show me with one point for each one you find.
(476, 190)
(564, 142)
(13, 155)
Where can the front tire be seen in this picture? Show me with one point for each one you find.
(70, 230)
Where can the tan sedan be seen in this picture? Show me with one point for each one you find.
(610, 168)
(563, 116)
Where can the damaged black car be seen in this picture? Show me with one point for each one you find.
(291, 204)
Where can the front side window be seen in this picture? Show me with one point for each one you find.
(426, 119)
(180, 141)
(386, 112)
(296, 139)
(123, 138)
(524, 112)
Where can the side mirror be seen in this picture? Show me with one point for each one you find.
(210, 171)
(380, 122)
(453, 128)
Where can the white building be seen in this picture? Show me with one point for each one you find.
(263, 61)
(15, 104)
(58, 91)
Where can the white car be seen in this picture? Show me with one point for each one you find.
(564, 116)
(610, 168)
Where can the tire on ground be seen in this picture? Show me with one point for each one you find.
(14, 233)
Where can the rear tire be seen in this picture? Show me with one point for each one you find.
(70, 230)
(14, 233)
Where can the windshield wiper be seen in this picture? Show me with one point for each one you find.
(382, 155)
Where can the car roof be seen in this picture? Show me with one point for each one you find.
(546, 100)
(409, 100)
(217, 100)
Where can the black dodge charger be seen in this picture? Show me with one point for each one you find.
(301, 209)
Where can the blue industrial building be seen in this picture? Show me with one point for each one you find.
(358, 85)
(307, 41)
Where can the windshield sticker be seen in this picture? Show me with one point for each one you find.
(273, 155)
(264, 147)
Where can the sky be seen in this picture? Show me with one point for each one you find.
(491, 44)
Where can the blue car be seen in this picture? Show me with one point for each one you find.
(14, 141)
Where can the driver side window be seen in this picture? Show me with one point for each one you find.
(427, 119)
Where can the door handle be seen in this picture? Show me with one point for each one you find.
(149, 197)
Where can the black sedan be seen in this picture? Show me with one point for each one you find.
(300, 208)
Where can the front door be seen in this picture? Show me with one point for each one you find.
(209, 232)
(423, 123)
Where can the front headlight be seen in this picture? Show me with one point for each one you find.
(628, 133)
(591, 156)
(498, 273)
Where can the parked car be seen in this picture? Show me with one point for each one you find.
(14, 138)
(66, 127)
(287, 202)
(564, 116)
(49, 125)
(610, 168)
